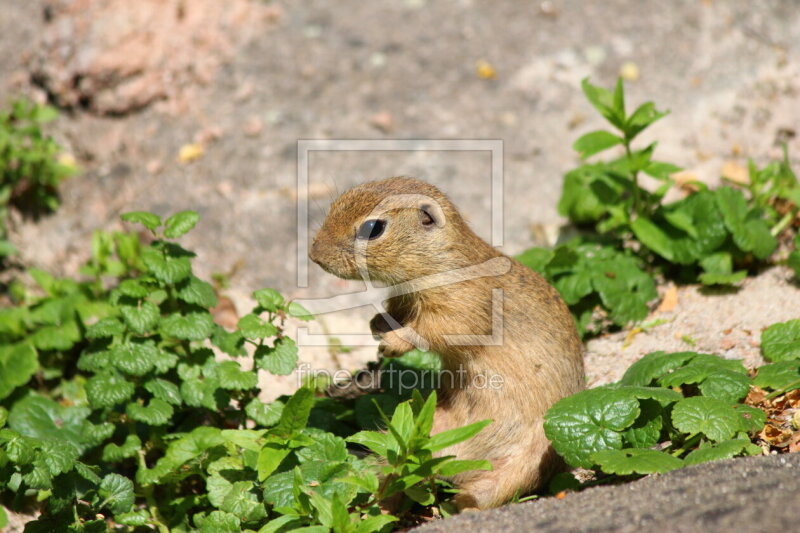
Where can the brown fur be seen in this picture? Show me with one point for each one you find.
(540, 357)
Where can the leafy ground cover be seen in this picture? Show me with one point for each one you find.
(124, 406)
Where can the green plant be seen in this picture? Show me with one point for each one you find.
(123, 405)
(30, 172)
(714, 237)
(671, 410)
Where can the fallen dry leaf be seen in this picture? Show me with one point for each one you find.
(629, 71)
(670, 300)
(384, 121)
(190, 152)
(485, 70)
(735, 172)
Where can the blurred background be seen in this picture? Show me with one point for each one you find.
(198, 104)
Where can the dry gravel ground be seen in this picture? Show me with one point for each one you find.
(247, 82)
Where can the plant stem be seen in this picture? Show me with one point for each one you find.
(152, 507)
(637, 201)
(688, 443)
(782, 390)
(781, 225)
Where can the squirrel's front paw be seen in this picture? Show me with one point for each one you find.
(393, 345)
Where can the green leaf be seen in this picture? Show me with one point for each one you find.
(163, 390)
(107, 327)
(59, 456)
(653, 237)
(595, 142)
(156, 413)
(194, 291)
(326, 447)
(536, 258)
(231, 343)
(141, 316)
(295, 414)
(134, 518)
(117, 493)
(269, 458)
(42, 418)
(716, 419)
(453, 467)
(780, 375)
(264, 414)
(192, 326)
(180, 223)
(448, 438)
(378, 442)
(726, 385)
(751, 419)
(114, 453)
(715, 452)
(723, 279)
(60, 338)
(296, 310)
(653, 366)
(781, 342)
(750, 232)
(221, 522)
(108, 390)
(165, 268)
(590, 421)
(148, 220)
(254, 327)
(232, 377)
(270, 299)
(640, 119)
(279, 360)
(606, 103)
(646, 429)
(243, 503)
(635, 461)
(135, 358)
(18, 363)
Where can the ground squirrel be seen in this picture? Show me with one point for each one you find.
(508, 343)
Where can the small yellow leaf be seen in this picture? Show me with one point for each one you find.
(485, 70)
(68, 160)
(190, 152)
(629, 71)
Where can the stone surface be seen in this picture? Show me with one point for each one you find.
(753, 494)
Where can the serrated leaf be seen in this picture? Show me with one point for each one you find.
(715, 452)
(107, 327)
(42, 418)
(781, 342)
(716, 419)
(134, 518)
(295, 414)
(296, 310)
(750, 233)
(595, 142)
(255, 328)
(646, 429)
(242, 502)
(180, 223)
(166, 268)
(232, 343)
(18, 363)
(163, 390)
(635, 461)
(270, 299)
(264, 414)
(58, 456)
(232, 377)
(148, 220)
(280, 359)
(221, 522)
(780, 375)
(135, 358)
(326, 447)
(156, 413)
(108, 390)
(60, 338)
(194, 291)
(193, 326)
(726, 385)
(590, 421)
(117, 493)
(751, 419)
(140, 316)
(113, 453)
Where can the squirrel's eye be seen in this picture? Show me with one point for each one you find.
(371, 229)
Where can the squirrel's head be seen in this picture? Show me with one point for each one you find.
(392, 230)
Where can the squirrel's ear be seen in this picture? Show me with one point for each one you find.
(431, 214)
